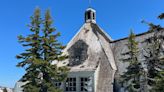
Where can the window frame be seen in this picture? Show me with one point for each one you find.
(78, 75)
(70, 84)
(82, 84)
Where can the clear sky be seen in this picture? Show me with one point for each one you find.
(116, 17)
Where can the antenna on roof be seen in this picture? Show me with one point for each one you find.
(90, 3)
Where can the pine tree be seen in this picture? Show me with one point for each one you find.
(159, 80)
(161, 16)
(154, 58)
(42, 47)
(131, 78)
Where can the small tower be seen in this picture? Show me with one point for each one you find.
(90, 16)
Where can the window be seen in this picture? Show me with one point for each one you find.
(93, 15)
(89, 15)
(85, 84)
(70, 84)
(58, 84)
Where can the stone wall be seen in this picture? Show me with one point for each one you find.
(119, 47)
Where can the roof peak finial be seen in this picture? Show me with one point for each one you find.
(90, 3)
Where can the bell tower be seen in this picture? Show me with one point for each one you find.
(90, 15)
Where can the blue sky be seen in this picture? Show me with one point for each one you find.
(116, 17)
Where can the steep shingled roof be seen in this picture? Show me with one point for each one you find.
(96, 42)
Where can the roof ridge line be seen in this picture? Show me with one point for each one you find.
(76, 34)
(113, 67)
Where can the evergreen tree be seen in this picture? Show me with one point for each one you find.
(154, 58)
(131, 78)
(161, 16)
(42, 48)
(159, 80)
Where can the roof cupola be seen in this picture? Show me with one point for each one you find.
(90, 16)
